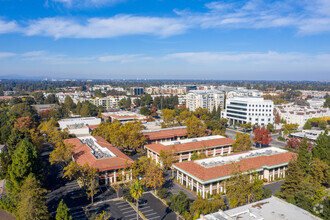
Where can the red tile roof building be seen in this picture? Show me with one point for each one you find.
(165, 134)
(210, 145)
(208, 175)
(99, 154)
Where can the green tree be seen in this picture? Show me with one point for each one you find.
(322, 147)
(136, 191)
(127, 136)
(24, 162)
(92, 187)
(69, 104)
(179, 202)
(168, 118)
(167, 157)
(323, 125)
(31, 201)
(61, 155)
(51, 99)
(182, 117)
(23, 110)
(195, 127)
(202, 113)
(145, 111)
(154, 177)
(289, 128)
(102, 216)
(294, 175)
(63, 212)
(242, 143)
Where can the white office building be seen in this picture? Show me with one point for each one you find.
(205, 99)
(244, 92)
(255, 110)
(64, 123)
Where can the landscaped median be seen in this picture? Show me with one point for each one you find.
(140, 213)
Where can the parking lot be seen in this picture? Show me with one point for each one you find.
(155, 209)
(119, 209)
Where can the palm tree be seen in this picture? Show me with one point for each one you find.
(136, 191)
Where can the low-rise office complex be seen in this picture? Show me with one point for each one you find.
(184, 149)
(123, 116)
(207, 176)
(78, 121)
(254, 110)
(311, 135)
(165, 134)
(208, 99)
(100, 154)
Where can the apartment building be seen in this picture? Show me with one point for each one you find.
(207, 176)
(296, 114)
(205, 99)
(106, 102)
(136, 90)
(254, 110)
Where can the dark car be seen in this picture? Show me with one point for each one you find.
(142, 201)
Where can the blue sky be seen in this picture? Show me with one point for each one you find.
(163, 39)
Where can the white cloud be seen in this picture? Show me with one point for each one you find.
(124, 58)
(304, 16)
(8, 27)
(86, 3)
(105, 27)
(271, 57)
(36, 53)
(6, 54)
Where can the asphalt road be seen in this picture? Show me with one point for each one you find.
(275, 187)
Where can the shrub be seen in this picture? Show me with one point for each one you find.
(162, 193)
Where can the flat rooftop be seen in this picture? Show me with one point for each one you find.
(221, 167)
(272, 208)
(78, 119)
(98, 153)
(165, 133)
(191, 143)
(220, 160)
(249, 99)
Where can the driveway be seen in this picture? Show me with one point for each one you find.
(231, 133)
(275, 187)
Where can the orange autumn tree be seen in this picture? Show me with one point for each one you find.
(24, 122)
(262, 136)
